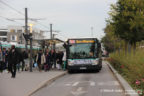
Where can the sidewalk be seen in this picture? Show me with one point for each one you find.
(26, 82)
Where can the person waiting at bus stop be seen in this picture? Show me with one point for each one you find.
(53, 58)
(4, 59)
(14, 60)
(59, 59)
(47, 65)
(40, 59)
(1, 60)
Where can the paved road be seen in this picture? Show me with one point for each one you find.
(102, 83)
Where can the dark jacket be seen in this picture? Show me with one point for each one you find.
(48, 58)
(14, 57)
(21, 57)
(6, 55)
(52, 56)
(59, 57)
(25, 55)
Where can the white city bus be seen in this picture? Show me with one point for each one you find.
(83, 54)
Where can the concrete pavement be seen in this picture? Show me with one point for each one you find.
(26, 82)
(102, 83)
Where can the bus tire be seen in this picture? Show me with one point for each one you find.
(97, 70)
(69, 71)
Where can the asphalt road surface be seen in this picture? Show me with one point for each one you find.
(102, 83)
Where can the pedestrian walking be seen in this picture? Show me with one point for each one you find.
(40, 59)
(14, 60)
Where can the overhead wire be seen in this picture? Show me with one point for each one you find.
(10, 20)
(11, 7)
(62, 35)
(36, 21)
(40, 23)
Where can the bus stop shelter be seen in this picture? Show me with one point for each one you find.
(48, 43)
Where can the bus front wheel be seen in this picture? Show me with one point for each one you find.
(69, 71)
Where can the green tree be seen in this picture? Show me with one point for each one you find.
(128, 20)
(110, 41)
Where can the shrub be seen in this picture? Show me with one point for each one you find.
(131, 67)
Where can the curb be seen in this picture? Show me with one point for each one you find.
(129, 91)
(44, 83)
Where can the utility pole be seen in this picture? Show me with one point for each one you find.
(51, 32)
(26, 29)
(53, 35)
(28, 36)
(54, 42)
(53, 46)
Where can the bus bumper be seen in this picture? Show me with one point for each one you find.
(86, 67)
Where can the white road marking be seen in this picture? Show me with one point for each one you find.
(78, 92)
(79, 89)
(68, 84)
(92, 83)
(75, 84)
(109, 83)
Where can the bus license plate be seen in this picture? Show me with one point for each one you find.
(83, 68)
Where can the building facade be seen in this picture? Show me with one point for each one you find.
(3, 34)
(14, 34)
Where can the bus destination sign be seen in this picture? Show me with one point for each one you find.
(81, 41)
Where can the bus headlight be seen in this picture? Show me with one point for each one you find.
(95, 62)
(70, 63)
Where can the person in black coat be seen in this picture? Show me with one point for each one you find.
(48, 60)
(24, 56)
(21, 60)
(59, 58)
(13, 60)
(53, 58)
(8, 59)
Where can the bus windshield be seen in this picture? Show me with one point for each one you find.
(82, 50)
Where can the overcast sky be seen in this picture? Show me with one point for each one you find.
(73, 18)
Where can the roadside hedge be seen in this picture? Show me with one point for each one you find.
(131, 67)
